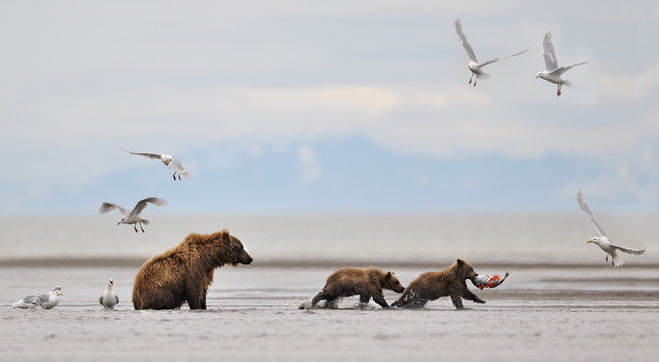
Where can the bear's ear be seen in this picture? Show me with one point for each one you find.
(387, 276)
(460, 261)
(226, 237)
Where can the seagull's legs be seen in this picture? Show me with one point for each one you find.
(140, 228)
(179, 177)
(607, 258)
(174, 176)
(470, 78)
(476, 80)
(135, 227)
(558, 92)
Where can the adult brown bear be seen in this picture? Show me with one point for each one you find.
(183, 273)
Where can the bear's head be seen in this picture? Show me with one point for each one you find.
(239, 253)
(464, 270)
(389, 281)
(231, 250)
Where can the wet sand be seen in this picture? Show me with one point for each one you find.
(552, 313)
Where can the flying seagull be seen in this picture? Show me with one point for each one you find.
(168, 160)
(132, 217)
(474, 65)
(552, 72)
(45, 301)
(108, 299)
(602, 241)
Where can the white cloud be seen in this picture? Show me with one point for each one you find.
(311, 168)
(429, 121)
(78, 83)
(631, 87)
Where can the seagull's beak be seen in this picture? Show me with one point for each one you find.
(537, 76)
(589, 241)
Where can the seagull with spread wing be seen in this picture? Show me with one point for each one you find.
(552, 72)
(474, 65)
(168, 160)
(132, 217)
(602, 241)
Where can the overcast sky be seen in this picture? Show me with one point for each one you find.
(317, 106)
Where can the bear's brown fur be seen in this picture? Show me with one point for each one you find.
(183, 273)
(432, 285)
(365, 282)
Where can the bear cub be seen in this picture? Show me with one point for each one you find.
(365, 282)
(433, 285)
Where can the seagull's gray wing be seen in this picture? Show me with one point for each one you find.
(108, 206)
(143, 154)
(177, 166)
(551, 63)
(465, 43)
(502, 58)
(589, 214)
(628, 250)
(43, 298)
(116, 299)
(100, 300)
(141, 205)
(30, 299)
(564, 69)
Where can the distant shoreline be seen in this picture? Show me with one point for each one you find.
(82, 262)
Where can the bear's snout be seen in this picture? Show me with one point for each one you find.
(244, 258)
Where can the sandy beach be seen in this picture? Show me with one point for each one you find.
(539, 314)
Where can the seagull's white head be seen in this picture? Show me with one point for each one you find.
(110, 283)
(596, 240)
(166, 159)
(123, 219)
(57, 292)
(540, 74)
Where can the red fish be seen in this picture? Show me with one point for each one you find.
(488, 281)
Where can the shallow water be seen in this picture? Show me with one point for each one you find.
(536, 314)
(561, 301)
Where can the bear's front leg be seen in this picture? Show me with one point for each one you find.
(192, 296)
(457, 301)
(466, 294)
(202, 299)
(379, 298)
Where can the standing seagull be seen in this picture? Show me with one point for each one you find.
(108, 299)
(168, 160)
(552, 72)
(474, 66)
(132, 217)
(602, 241)
(46, 301)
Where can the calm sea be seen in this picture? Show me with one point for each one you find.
(497, 238)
